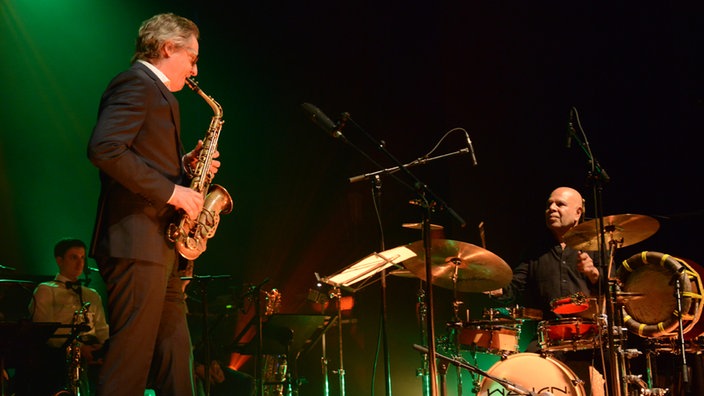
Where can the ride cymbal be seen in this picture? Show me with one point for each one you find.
(624, 229)
(419, 226)
(460, 266)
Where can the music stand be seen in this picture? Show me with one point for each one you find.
(289, 335)
(366, 267)
(16, 338)
(360, 271)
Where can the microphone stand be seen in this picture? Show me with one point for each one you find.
(419, 161)
(376, 197)
(680, 330)
(598, 177)
(426, 196)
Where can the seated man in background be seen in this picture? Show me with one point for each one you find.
(80, 311)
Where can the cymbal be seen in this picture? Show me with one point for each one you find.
(625, 229)
(418, 226)
(490, 322)
(402, 273)
(16, 282)
(477, 269)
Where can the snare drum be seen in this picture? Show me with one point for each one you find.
(488, 338)
(568, 334)
(651, 275)
(534, 373)
(570, 305)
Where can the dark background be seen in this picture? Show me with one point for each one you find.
(407, 72)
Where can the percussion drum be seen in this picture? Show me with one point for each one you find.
(534, 373)
(489, 337)
(573, 304)
(652, 274)
(568, 334)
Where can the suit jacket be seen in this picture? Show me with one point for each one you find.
(136, 146)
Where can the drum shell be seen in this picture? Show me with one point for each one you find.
(535, 373)
(655, 314)
(494, 339)
(568, 334)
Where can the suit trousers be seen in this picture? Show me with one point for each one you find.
(149, 345)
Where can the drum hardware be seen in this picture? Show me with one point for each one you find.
(460, 266)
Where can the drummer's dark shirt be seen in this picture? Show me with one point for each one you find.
(553, 275)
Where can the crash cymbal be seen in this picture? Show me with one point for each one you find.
(477, 269)
(418, 226)
(403, 273)
(624, 229)
(16, 282)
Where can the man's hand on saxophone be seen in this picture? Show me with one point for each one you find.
(190, 201)
(190, 160)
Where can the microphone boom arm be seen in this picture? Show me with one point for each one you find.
(419, 161)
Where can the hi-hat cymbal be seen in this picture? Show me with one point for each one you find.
(624, 229)
(418, 226)
(476, 269)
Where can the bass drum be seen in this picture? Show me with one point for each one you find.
(654, 313)
(534, 373)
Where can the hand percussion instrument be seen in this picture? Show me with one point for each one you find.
(654, 275)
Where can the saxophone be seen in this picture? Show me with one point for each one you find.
(274, 367)
(191, 235)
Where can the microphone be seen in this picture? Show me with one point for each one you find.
(570, 128)
(471, 149)
(323, 121)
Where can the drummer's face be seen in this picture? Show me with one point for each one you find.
(563, 209)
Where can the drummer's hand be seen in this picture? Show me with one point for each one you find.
(495, 293)
(585, 265)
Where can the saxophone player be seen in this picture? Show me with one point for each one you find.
(143, 171)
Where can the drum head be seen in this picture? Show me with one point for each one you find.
(652, 276)
(533, 373)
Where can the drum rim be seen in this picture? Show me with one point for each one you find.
(689, 299)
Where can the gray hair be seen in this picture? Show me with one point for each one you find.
(156, 31)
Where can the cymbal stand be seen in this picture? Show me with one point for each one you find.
(422, 318)
(453, 337)
(337, 294)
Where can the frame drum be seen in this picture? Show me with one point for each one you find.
(652, 275)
